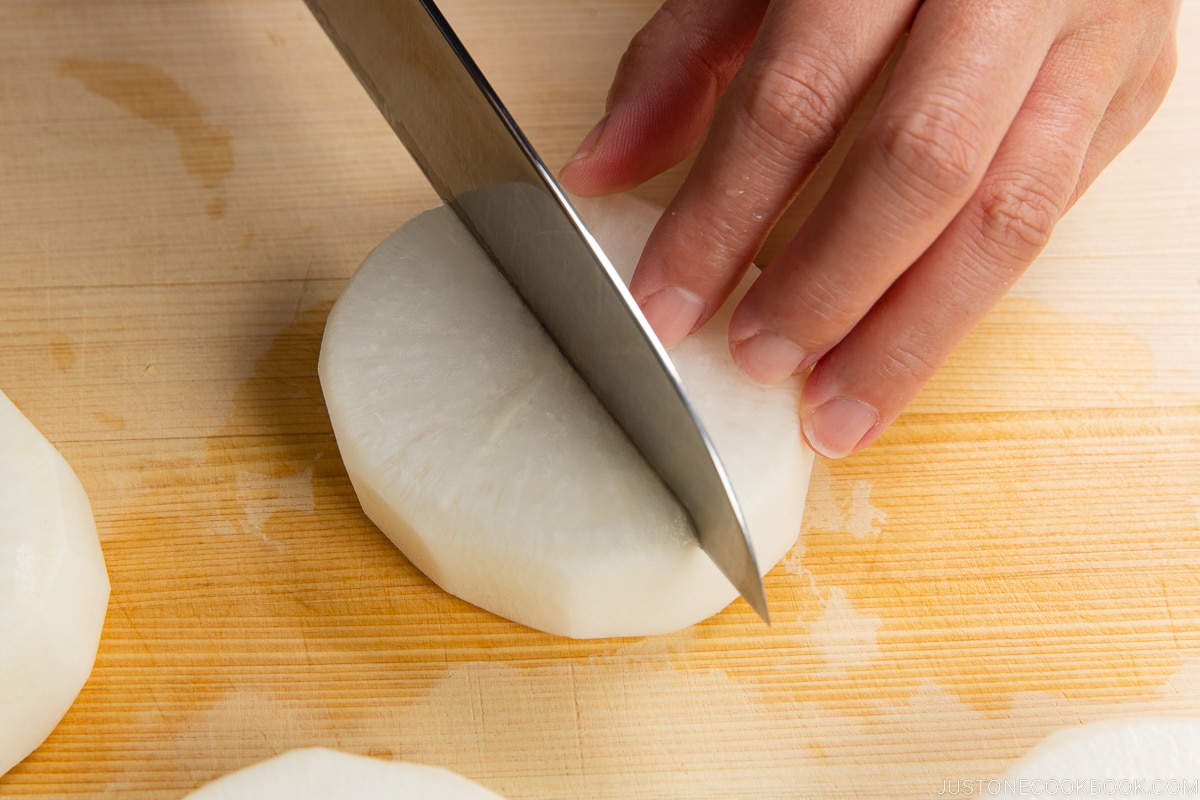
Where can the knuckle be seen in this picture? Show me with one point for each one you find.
(711, 51)
(1162, 73)
(904, 364)
(801, 100)
(707, 52)
(726, 243)
(1018, 216)
(826, 307)
(662, 33)
(936, 149)
(698, 49)
(643, 44)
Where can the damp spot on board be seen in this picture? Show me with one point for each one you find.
(215, 207)
(850, 511)
(276, 38)
(113, 422)
(843, 636)
(62, 353)
(694, 733)
(282, 407)
(150, 94)
(1024, 529)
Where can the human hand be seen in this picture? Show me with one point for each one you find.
(997, 116)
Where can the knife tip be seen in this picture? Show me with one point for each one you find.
(755, 594)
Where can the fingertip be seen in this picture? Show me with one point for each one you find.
(673, 313)
(839, 426)
(835, 418)
(767, 358)
(579, 181)
(575, 174)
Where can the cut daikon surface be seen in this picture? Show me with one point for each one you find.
(318, 774)
(53, 587)
(1136, 757)
(482, 455)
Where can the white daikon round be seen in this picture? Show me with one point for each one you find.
(315, 773)
(53, 587)
(480, 453)
(1136, 757)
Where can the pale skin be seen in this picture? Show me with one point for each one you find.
(996, 118)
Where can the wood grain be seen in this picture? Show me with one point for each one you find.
(184, 190)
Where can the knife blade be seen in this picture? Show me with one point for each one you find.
(436, 99)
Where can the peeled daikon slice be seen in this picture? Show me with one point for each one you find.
(316, 773)
(482, 455)
(1137, 757)
(53, 587)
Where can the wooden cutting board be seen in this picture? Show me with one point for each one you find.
(185, 189)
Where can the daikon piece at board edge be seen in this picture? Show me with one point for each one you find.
(53, 587)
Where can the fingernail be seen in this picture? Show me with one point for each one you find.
(835, 428)
(672, 313)
(768, 358)
(589, 142)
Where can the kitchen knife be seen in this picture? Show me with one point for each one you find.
(441, 106)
